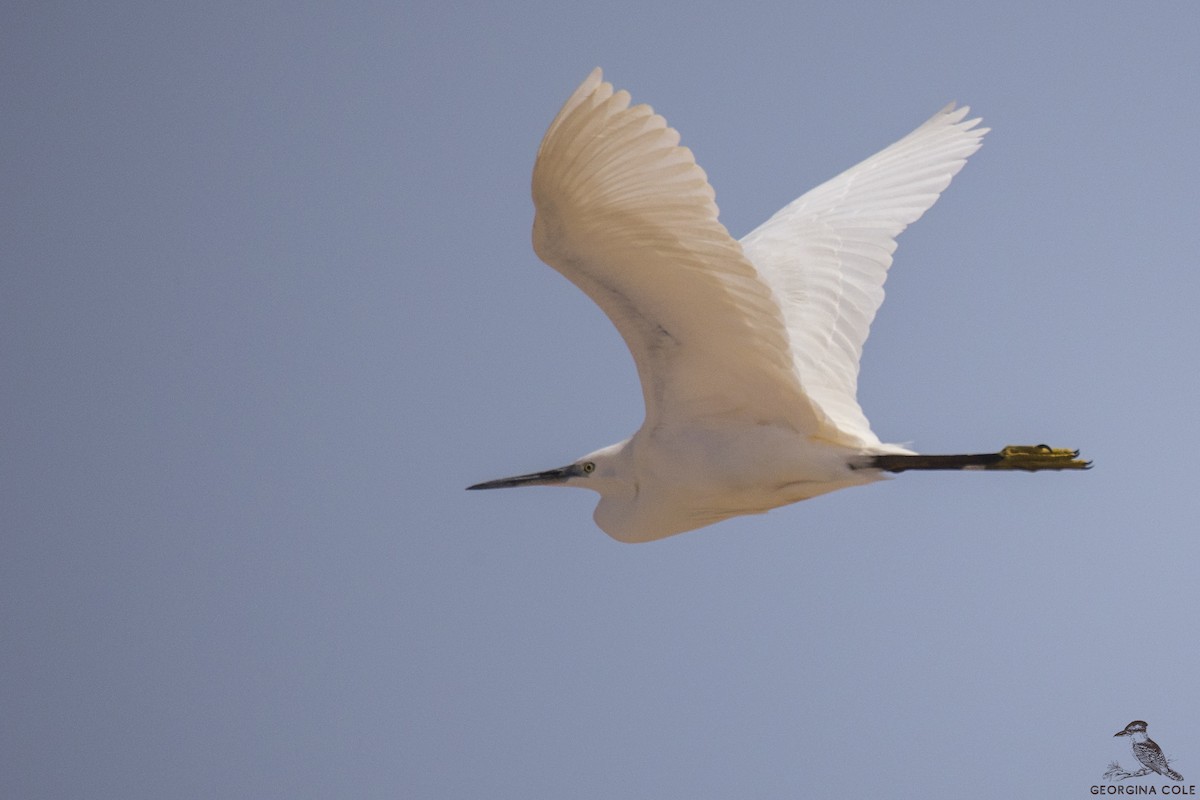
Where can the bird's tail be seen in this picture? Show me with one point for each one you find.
(1172, 774)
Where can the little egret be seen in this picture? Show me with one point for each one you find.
(747, 351)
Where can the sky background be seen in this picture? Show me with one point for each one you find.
(268, 304)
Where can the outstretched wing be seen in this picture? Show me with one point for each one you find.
(626, 215)
(826, 256)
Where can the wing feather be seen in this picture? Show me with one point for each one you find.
(826, 254)
(625, 213)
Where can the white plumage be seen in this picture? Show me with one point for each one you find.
(747, 352)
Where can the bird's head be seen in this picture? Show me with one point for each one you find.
(1137, 726)
(598, 471)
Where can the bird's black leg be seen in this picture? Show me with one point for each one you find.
(1029, 458)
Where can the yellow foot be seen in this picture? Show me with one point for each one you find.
(1033, 458)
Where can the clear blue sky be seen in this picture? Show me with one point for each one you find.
(267, 304)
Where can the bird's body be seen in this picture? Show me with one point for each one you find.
(676, 478)
(747, 351)
(1147, 752)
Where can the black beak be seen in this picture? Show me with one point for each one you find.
(1122, 733)
(547, 478)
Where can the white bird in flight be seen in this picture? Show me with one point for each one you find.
(747, 351)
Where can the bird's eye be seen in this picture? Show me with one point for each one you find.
(589, 467)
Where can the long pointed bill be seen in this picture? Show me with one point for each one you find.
(547, 478)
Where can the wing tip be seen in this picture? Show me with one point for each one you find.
(594, 79)
(953, 114)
